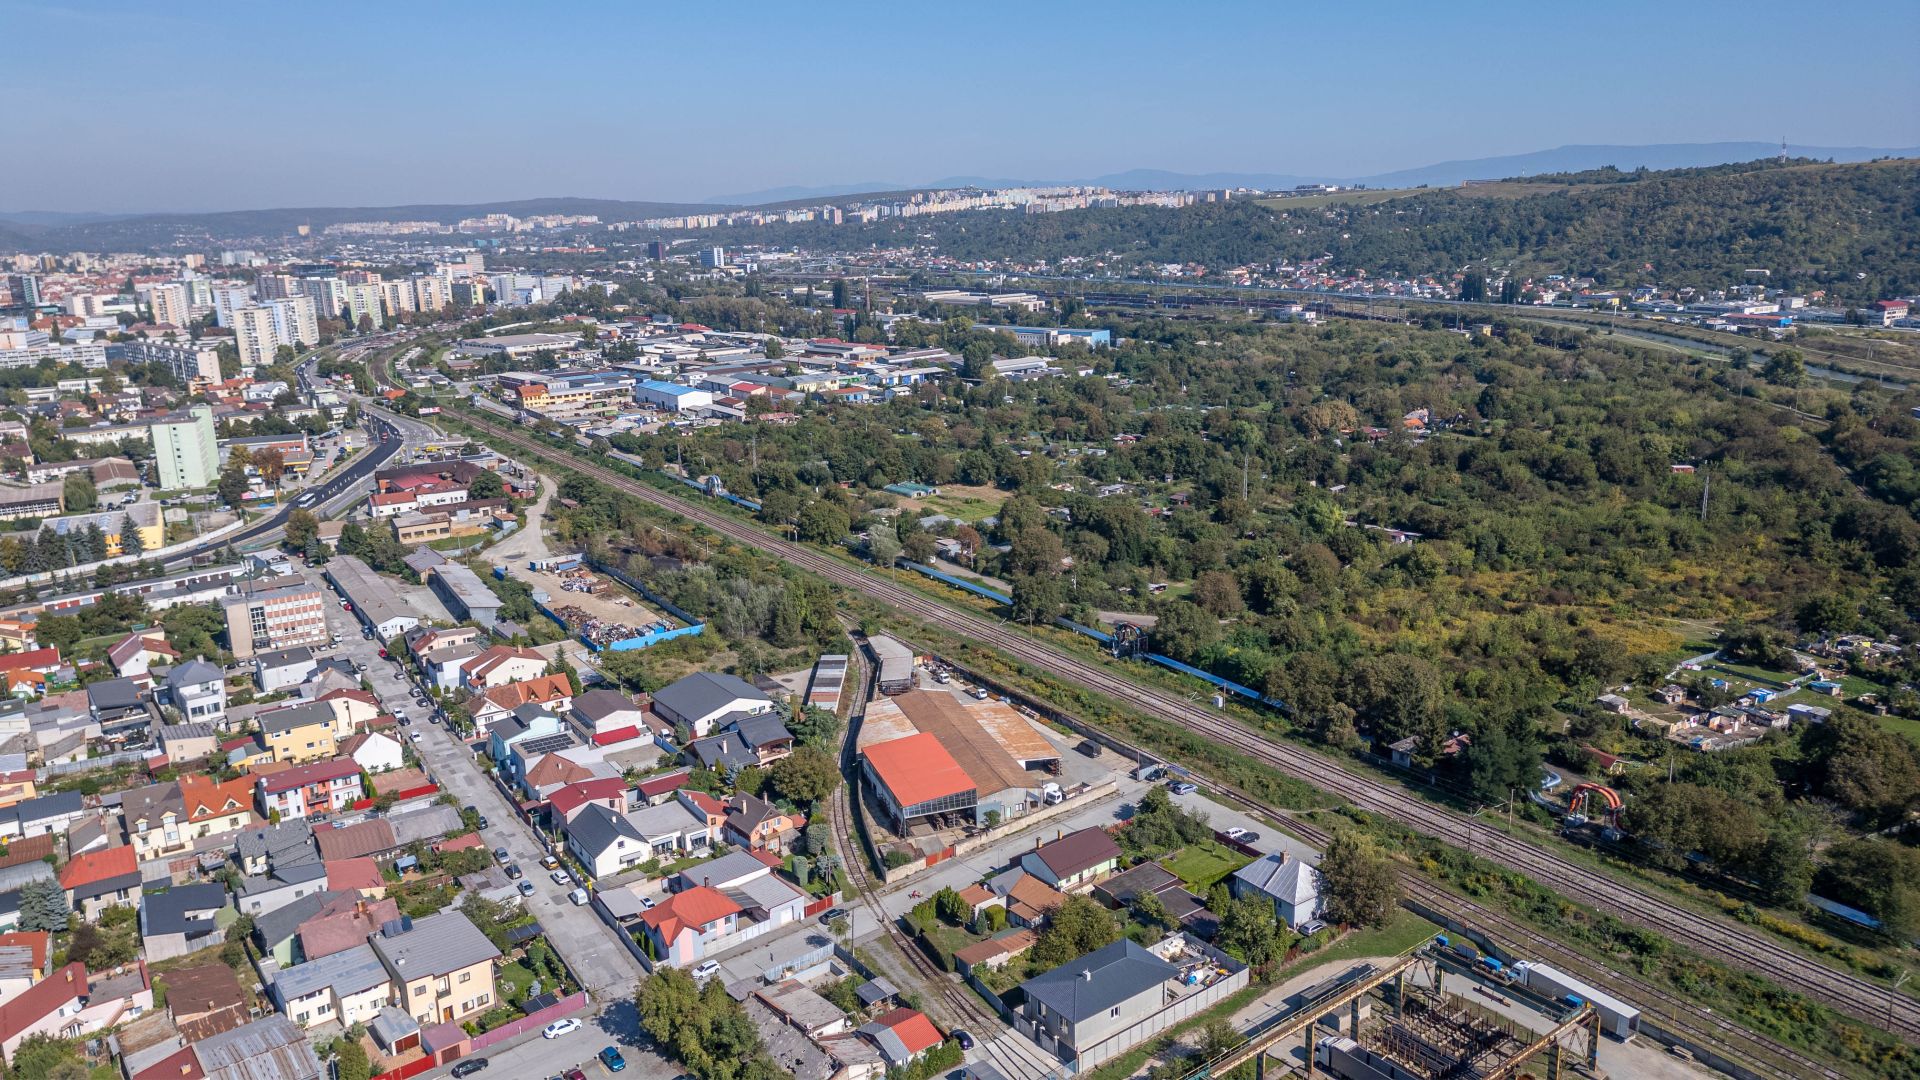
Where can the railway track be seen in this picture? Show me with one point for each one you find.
(1849, 993)
(959, 1000)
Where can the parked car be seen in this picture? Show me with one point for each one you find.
(964, 1039)
(1236, 833)
(707, 969)
(526, 887)
(574, 1074)
(610, 1057)
(559, 1028)
(549, 862)
(1182, 787)
(561, 877)
(513, 871)
(502, 854)
(469, 1066)
(1311, 927)
(414, 735)
(827, 916)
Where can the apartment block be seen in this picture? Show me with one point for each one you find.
(172, 305)
(185, 451)
(255, 335)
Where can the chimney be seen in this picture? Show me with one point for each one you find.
(1086, 976)
(1283, 856)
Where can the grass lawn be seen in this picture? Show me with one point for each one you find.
(1754, 674)
(1901, 725)
(1200, 865)
(966, 509)
(1404, 932)
(513, 981)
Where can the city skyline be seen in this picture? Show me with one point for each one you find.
(684, 106)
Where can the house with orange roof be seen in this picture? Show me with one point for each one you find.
(499, 665)
(360, 875)
(688, 925)
(216, 808)
(902, 1036)
(550, 692)
(99, 880)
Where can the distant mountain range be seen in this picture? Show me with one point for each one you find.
(1445, 173)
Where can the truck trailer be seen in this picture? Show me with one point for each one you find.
(1617, 1018)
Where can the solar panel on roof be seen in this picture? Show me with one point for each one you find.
(547, 744)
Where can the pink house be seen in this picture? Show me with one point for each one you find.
(678, 930)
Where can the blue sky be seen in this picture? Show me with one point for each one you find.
(227, 105)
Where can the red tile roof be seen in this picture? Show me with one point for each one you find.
(368, 837)
(917, 769)
(660, 785)
(572, 797)
(301, 776)
(355, 874)
(96, 866)
(913, 1029)
(461, 843)
(38, 1001)
(47, 658)
(695, 908)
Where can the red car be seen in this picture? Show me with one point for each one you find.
(383, 654)
(575, 1074)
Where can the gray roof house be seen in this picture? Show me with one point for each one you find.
(46, 814)
(1095, 1008)
(273, 1046)
(605, 842)
(199, 690)
(1291, 885)
(180, 920)
(317, 991)
(705, 701)
(266, 846)
(279, 887)
(276, 930)
(114, 699)
(428, 823)
(282, 670)
(438, 944)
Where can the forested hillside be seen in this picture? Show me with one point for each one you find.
(1812, 226)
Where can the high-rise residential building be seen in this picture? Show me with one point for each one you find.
(86, 304)
(363, 305)
(329, 295)
(26, 289)
(277, 613)
(185, 450)
(397, 296)
(187, 360)
(714, 257)
(172, 305)
(429, 292)
(469, 294)
(277, 286)
(199, 292)
(255, 335)
(229, 296)
(295, 321)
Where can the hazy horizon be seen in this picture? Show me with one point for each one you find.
(375, 106)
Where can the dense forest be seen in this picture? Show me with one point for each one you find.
(1558, 552)
(1812, 226)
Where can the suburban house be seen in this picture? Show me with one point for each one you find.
(704, 702)
(343, 923)
(71, 1004)
(1291, 885)
(372, 838)
(751, 741)
(563, 804)
(672, 827)
(551, 692)
(499, 665)
(283, 669)
(1093, 1009)
(181, 920)
(902, 1036)
(299, 732)
(99, 880)
(155, 817)
(134, 655)
(277, 888)
(442, 966)
(758, 825)
(1076, 859)
(653, 790)
(608, 716)
(605, 842)
(348, 987)
(323, 787)
(441, 666)
(528, 724)
(206, 1000)
(185, 743)
(734, 899)
(374, 751)
(199, 690)
(264, 847)
(214, 807)
(46, 814)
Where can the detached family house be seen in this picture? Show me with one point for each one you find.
(703, 703)
(1074, 860)
(1291, 885)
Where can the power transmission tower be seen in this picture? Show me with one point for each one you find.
(1706, 489)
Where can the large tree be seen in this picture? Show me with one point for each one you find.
(1359, 883)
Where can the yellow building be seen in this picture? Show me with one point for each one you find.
(300, 732)
(442, 966)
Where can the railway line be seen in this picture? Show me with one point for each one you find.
(958, 1000)
(1849, 993)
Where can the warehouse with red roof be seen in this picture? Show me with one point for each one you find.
(916, 778)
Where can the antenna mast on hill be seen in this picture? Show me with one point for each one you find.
(1706, 489)
(1783, 148)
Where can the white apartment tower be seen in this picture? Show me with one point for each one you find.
(295, 321)
(172, 305)
(255, 335)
